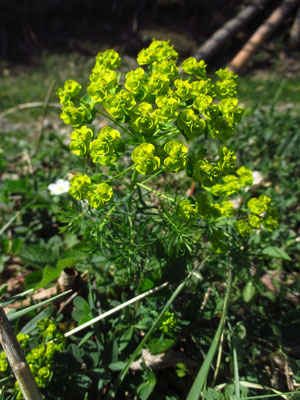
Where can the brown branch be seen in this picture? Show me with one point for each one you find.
(295, 30)
(45, 106)
(17, 360)
(209, 48)
(262, 33)
(27, 105)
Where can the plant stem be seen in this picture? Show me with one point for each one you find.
(152, 176)
(121, 173)
(133, 179)
(115, 122)
(169, 133)
(155, 192)
(17, 360)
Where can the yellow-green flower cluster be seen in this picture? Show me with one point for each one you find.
(202, 206)
(261, 214)
(187, 210)
(81, 141)
(157, 51)
(176, 160)
(232, 184)
(152, 103)
(168, 323)
(192, 67)
(40, 358)
(106, 147)
(145, 158)
(97, 194)
(208, 209)
(143, 119)
(103, 150)
(3, 362)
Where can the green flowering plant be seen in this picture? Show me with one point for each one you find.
(40, 357)
(161, 117)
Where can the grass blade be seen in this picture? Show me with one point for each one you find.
(194, 393)
(113, 391)
(14, 315)
(235, 364)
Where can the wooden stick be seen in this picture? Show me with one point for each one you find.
(262, 33)
(295, 30)
(17, 360)
(27, 105)
(209, 48)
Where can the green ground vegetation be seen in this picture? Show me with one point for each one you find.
(258, 352)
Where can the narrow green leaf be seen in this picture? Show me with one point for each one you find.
(14, 315)
(197, 387)
(15, 298)
(31, 325)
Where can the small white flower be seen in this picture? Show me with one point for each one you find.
(257, 177)
(59, 187)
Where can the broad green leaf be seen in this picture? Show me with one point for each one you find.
(5, 244)
(276, 252)
(16, 245)
(76, 352)
(117, 365)
(66, 263)
(33, 279)
(38, 256)
(248, 292)
(49, 274)
(125, 338)
(146, 388)
(158, 346)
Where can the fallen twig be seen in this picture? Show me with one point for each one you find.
(27, 105)
(209, 48)
(17, 360)
(261, 34)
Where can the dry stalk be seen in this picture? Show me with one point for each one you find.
(17, 360)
